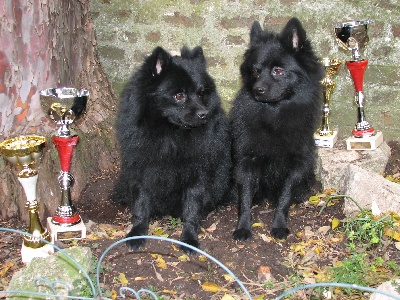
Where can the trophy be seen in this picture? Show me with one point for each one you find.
(353, 35)
(325, 137)
(26, 152)
(64, 105)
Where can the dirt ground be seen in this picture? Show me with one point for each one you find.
(266, 267)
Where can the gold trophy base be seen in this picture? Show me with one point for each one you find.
(325, 141)
(74, 232)
(28, 253)
(365, 143)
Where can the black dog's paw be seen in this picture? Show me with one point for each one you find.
(280, 233)
(135, 244)
(187, 250)
(242, 234)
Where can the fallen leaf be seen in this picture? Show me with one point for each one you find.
(229, 278)
(212, 287)
(160, 262)
(141, 278)
(5, 267)
(114, 294)
(227, 297)
(122, 279)
(314, 200)
(264, 274)
(258, 224)
(169, 292)
(212, 227)
(202, 258)
(392, 234)
(335, 223)
(183, 258)
(397, 245)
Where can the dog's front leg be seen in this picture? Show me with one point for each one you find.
(191, 215)
(279, 228)
(246, 190)
(140, 210)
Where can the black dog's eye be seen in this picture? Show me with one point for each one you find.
(277, 71)
(255, 74)
(180, 97)
(200, 94)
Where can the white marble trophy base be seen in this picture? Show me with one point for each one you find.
(326, 141)
(56, 229)
(28, 253)
(365, 143)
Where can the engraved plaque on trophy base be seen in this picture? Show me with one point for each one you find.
(327, 141)
(365, 143)
(63, 233)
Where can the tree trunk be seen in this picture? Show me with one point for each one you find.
(48, 44)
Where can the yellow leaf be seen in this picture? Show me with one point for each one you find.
(122, 279)
(314, 200)
(114, 294)
(5, 267)
(169, 292)
(392, 234)
(228, 278)
(257, 225)
(335, 223)
(318, 250)
(261, 297)
(183, 258)
(212, 287)
(160, 262)
(227, 297)
(202, 258)
(174, 247)
(158, 231)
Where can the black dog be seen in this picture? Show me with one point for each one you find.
(273, 121)
(175, 143)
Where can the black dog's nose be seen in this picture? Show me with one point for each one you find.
(258, 91)
(202, 114)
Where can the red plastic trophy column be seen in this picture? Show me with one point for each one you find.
(66, 213)
(357, 70)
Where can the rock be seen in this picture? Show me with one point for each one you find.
(388, 288)
(369, 190)
(334, 162)
(56, 267)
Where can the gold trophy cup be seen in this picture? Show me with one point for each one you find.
(325, 136)
(25, 152)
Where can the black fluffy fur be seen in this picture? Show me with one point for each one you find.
(273, 120)
(175, 143)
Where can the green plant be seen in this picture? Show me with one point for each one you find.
(173, 223)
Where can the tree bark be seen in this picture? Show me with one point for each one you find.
(48, 44)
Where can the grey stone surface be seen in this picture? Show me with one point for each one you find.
(56, 267)
(369, 190)
(335, 161)
(388, 288)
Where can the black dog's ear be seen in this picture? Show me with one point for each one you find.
(293, 35)
(159, 61)
(195, 53)
(255, 33)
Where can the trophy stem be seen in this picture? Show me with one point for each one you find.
(362, 127)
(35, 227)
(66, 213)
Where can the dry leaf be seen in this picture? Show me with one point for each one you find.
(169, 292)
(397, 245)
(122, 279)
(5, 267)
(335, 223)
(183, 258)
(212, 287)
(228, 278)
(227, 297)
(139, 278)
(114, 294)
(160, 262)
(212, 227)
(392, 234)
(202, 258)
(324, 229)
(264, 274)
(258, 224)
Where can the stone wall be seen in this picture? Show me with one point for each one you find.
(128, 30)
